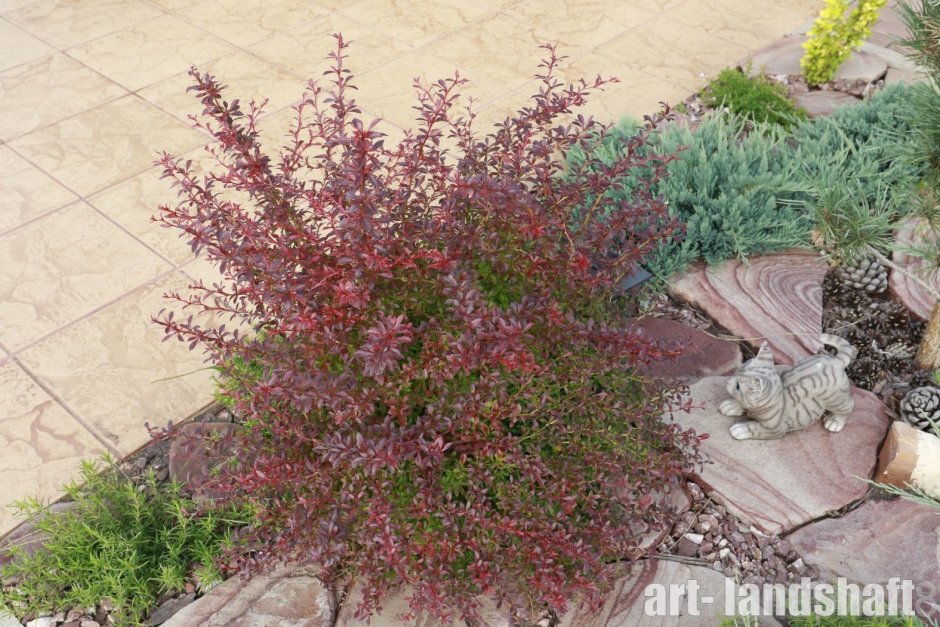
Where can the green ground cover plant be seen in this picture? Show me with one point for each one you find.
(742, 188)
(122, 540)
(834, 35)
(756, 98)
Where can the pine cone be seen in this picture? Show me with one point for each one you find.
(920, 406)
(865, 274)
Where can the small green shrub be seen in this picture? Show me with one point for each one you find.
(123, 540)
(759, 99)
(834, 35)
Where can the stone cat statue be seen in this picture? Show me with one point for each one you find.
(780, 402)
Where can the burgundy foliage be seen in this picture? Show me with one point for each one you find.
(437, 379)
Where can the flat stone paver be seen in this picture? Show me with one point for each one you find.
(91, 90)
(876, 542)
(780, 484)
(702, 355)
(289, 596)
(821, 103)
(904, 288)
(777, 297)
(628, 605)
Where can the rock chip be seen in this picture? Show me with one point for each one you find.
(879, 540)
(906, 290)
(7, 619)
(739, 295)
(702, 355)
(823, 102)
(289, 596)
(777, 485)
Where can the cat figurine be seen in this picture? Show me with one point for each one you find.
(780, 402)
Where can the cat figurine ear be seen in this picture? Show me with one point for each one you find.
(765, 356)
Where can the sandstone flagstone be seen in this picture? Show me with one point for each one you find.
(628, 604)
(397, 605)
(702, 355)
(783, 57)
(777, 297)
(875, 542)
(290, 596)
(778, 485)
(823, 102)
(905, 289)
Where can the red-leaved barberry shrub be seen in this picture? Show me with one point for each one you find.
(438, 383)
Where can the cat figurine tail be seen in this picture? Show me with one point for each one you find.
(845, 352)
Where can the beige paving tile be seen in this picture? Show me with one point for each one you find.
(244, 22)
(63, 266)
(388, 91)
(66, 23)
(751, 24)
(419, 21)
(173, 5)
(9, 5)
(579, 25)
(499, 47)
(50, 89)
(42, 444)
(274, 130)
(808, 8)
(150, 51)
(247, 77)
(637, 93)
(17, 46)
(494, 112)
(133, 202)
(28, 192)
(677, 53)
(109, 366)
(106, 144)
(303, 50)
(657, 6)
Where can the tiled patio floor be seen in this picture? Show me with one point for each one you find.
(90, 90)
